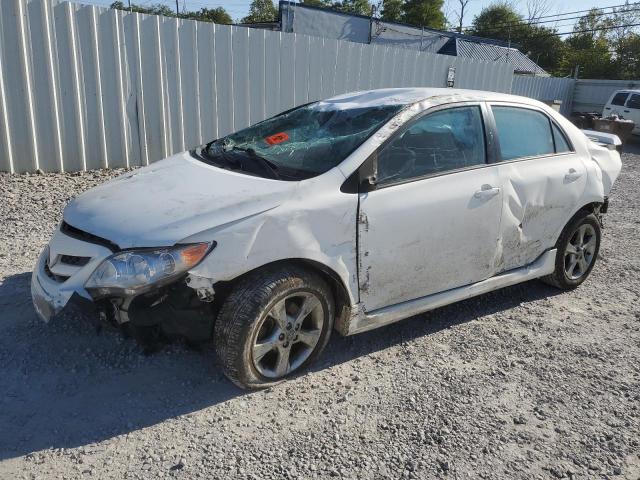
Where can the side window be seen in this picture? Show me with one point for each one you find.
(522, 132)
(634, 101)
(619, 98)
(440, 141)
(561, 142)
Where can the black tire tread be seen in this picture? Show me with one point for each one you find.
(557, 279)
(240, 309)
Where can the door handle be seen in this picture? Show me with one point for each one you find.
(626, 111)
(487, 191)
(572, 175)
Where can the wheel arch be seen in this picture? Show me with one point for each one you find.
(341, 296)
(592, 207)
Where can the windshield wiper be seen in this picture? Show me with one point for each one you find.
(251, 153)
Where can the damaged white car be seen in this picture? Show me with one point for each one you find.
(345, 214)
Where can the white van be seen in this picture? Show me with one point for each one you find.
(625, 104)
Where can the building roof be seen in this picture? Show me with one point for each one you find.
(363, 29)
(496, 53)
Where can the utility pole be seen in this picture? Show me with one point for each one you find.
(373, 12)
(130, 6)
(177, 8)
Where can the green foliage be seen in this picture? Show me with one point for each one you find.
(599, 50)
(427, 13)
(215, 15)
(316, 3)
(500, 21)
(392, 10)
(359, 7)
(261, 11)
(627, 61)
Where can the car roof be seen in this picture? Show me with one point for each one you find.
(626, 90)
(407, 96)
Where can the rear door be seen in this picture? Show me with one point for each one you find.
(433, 219)
(543, 181)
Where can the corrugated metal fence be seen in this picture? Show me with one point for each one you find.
(546, 89)
(83, 87)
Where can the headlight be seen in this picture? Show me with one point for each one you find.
(134, 271)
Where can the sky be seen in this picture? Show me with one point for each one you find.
(239, 8)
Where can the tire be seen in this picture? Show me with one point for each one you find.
(260, 321)
(573, 268)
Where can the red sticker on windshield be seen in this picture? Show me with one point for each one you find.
(277, 138)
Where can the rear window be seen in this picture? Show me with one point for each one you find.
(561, 142)
(619, 98)
(522, 132)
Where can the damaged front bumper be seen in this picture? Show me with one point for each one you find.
(51, 294)
(184, 307)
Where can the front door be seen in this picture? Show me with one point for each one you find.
(432, 223)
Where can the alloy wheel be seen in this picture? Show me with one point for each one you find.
(288, 334)
(580, 251)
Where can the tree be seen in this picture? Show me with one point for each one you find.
(316, 3)
(261, 11)
(500, 21)
(358, 7)
(589, 47)
(628, 57)
(391, 10)
(537, 9)
(460, 14)
(215, 15)
(427, 13)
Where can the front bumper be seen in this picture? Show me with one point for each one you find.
(57, 286)
(55, 283)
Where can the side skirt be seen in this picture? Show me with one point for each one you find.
(544, 265)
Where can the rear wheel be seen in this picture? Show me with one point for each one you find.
(272, 325)
(578, 248)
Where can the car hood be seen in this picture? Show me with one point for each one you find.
(170, 200)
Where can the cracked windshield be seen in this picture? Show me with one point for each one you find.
(300, 143)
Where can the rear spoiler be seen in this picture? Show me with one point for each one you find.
(608, 140)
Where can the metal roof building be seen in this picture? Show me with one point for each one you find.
(328, 23)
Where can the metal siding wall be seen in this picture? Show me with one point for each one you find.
(546, 89)
(84, 87)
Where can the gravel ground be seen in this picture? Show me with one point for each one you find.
(521, 383)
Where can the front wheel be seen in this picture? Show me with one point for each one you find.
(578, 248)
(273, 324)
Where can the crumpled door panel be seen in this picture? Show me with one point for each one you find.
(539, 199)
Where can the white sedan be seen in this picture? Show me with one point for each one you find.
(347, 214)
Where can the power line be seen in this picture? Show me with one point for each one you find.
(582, 16)
(595, 29)
(536, 20)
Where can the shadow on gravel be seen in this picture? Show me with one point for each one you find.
(344, 349)
(63, 385)
(632, 145)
